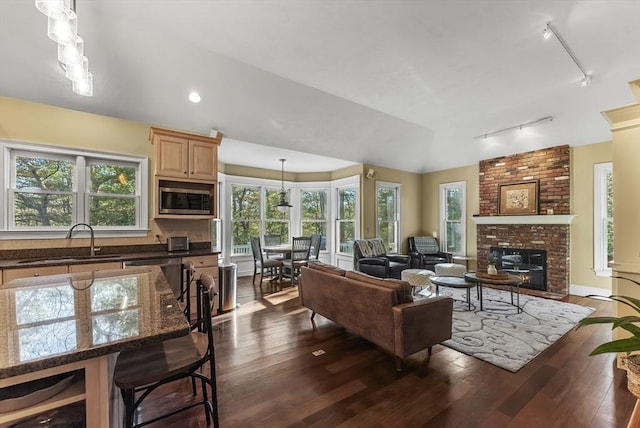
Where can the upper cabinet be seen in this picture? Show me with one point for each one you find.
(185, 156)
(186, 174)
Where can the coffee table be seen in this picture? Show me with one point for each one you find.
(454, 282)
(512, 281)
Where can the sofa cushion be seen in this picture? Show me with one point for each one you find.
(401, 288)
(324, 267)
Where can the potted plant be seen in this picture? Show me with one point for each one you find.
(627, 345)
(492, 260)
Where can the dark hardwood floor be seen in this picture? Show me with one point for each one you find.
(268, 377)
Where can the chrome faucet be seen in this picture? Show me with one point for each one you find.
(93, 248)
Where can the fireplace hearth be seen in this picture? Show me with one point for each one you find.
(533, 261)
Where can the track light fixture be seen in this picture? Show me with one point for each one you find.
(520, 127)
(548, 31)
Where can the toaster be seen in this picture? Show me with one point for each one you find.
(178, 243)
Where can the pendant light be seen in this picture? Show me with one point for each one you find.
(283, 205)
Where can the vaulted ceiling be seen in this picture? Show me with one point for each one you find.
(400, 84)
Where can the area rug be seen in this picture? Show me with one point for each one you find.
(501, 336)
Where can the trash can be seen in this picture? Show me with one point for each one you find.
(227, 290)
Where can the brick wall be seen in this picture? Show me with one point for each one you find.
(551, 168)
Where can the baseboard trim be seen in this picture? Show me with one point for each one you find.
(583, 290)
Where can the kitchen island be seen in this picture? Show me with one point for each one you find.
(77, 323)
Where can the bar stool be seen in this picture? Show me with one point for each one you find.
(142, 371)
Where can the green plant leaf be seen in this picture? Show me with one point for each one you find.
(632, 302)
(597, 320)
(621, 345)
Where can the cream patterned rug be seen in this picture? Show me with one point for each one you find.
(501, 336)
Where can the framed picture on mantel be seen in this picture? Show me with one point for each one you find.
(518, 198)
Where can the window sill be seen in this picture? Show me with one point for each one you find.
(61, 234)
(602, 272)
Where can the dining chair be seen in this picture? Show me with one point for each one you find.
(271, 240)
(299, 257)
(139, 372)
(314, 251)
(273, 266)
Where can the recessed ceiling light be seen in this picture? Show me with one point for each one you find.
(194, 97)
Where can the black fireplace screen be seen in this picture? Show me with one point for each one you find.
(517, 260)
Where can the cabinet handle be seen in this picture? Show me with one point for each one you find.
(36, 274)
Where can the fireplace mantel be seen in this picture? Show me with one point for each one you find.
(524, 219)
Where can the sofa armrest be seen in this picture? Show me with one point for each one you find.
(378, 261)
(421, 324)
(399, 258)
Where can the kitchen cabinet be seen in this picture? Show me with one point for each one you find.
(88, 386)
(93, 267)
(186, 156)
(11, 274)
(203, 264)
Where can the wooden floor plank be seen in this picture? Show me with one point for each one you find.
(268, 377)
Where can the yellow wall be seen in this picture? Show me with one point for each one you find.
(410, 204)
(39, 123)
(583, 158)
(625, 123)
(430, 203)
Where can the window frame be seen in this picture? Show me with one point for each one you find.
(327, 192)
(346, 184)
(600, 218)
(259, 220)
(397, 190)
(263, 210)
(444, 188)
(9, 149)
(295, 224)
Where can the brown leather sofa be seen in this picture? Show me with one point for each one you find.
(380, 310)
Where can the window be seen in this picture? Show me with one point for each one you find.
(346, 221)
(41, 190)
(111, 199)
(388, 215)
(51, 188)
(603, 218)
(276, 222)
(313, 207)
(254, 213)
(452, 217)
(245, 217)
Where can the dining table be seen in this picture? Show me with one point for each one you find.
(284, 249)
(77, 323)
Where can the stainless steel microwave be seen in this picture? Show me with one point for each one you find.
(175, 200)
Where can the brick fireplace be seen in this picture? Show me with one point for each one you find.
(549, 230)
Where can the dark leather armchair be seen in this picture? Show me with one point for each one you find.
(425, 253)
(370, 256)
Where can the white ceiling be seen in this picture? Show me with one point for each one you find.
(401, 84)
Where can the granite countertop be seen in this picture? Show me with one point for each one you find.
(59, 319)
(55, 258)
